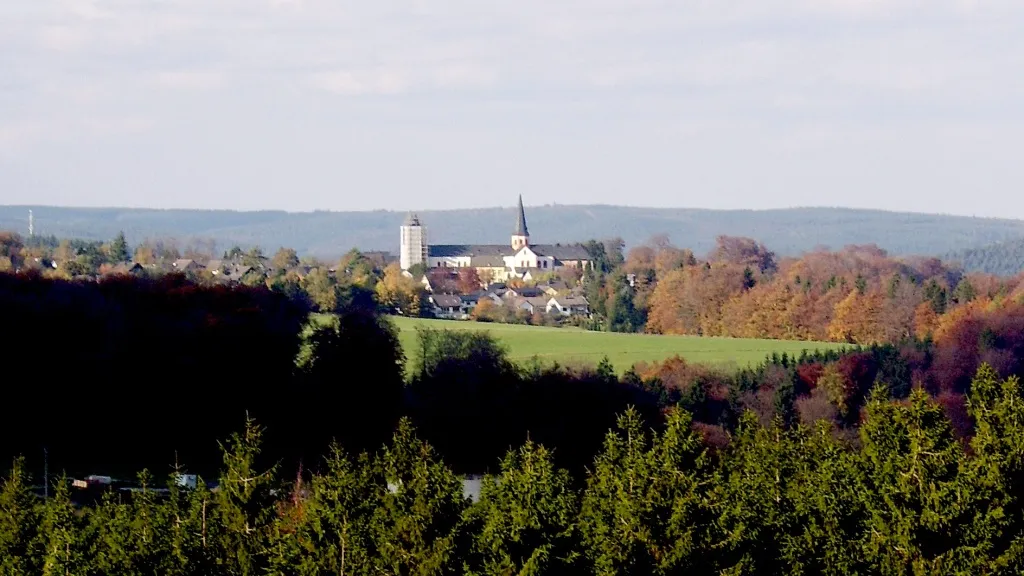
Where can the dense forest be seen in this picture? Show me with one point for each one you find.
(1001, 258)
(859, 294)
(878, 459)
(905, 496)
(330, 234)
(177, 362)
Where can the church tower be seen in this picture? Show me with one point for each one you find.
(414, 243)
(521, 235)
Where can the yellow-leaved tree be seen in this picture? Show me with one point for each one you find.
(397, 292)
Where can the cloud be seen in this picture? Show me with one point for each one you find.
(20, 137)
(362, 82)
(190, 79)
(62, 38)
(802, 75)
(386, 81)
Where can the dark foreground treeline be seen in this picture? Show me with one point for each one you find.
(110, 377)
(907, 497)
(124, 374)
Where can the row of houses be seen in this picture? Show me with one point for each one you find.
(229, 271)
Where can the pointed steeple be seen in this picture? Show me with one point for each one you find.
(521, 229)
(521, 236)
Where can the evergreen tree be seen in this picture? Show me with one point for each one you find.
(643, 510)
(964, 292)
(193, 531)
(917, 504)
(129, 533)
(19, 523)
(119, 251)
(328, 531)
(997, 472)
(245, 504)
(417, 530)
(753, 499)
(606, 371)
(527, 517)
(827, 517)
(60, 534)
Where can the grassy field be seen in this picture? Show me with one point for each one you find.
(576, 346)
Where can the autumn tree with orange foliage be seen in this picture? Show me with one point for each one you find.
(858, 294)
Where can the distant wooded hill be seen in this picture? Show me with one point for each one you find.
(1004, 258)
(328, 234)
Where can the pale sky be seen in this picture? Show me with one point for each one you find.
(430, 104)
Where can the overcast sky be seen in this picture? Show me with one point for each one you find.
(416, 104)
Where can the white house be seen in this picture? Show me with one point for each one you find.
(576, 306)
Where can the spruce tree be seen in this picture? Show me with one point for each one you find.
(245, 505)
(643, 510)
(60, 534)
(119, 251)
(606, 371)
(526, 517)
(19, 523)
(996, 472)
(328, 530)
(129, 532)
(753, 499)
(417, 530)
(193, 531)
(917, 503)
(827, 516)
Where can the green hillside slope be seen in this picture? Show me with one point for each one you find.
(575, 346)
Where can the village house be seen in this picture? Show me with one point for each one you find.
(569, 306)
(186, 265)
(450, 306)
(126, 268)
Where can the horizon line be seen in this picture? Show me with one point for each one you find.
(512, 207)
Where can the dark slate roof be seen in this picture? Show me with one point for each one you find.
(561, 251)
(487, 261)
(446, 300)
(472, 298)
(556, 285)
(529, 292)
(451, 250)
(521, 229)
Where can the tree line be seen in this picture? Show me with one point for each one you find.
(905, 496)
(130, 373)
(859, 295)
(127, 373)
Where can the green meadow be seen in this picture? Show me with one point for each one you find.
(573, 346)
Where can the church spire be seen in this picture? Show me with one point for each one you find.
(521, 223)
(521, 236)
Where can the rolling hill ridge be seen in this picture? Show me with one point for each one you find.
(329, 234)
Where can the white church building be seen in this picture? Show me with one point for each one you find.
(499, 261)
